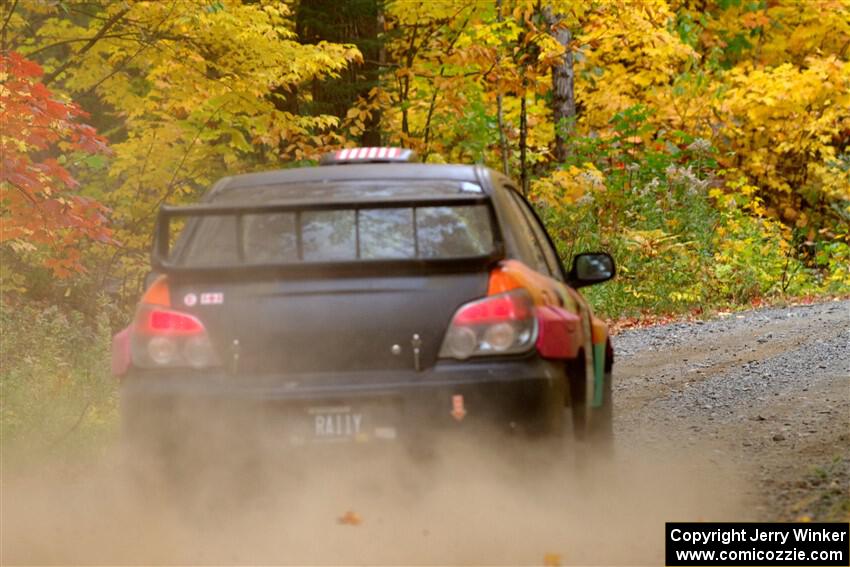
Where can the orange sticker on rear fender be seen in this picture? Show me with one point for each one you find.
(512, 274)
(598, 330)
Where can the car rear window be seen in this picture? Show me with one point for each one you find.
(420, 232)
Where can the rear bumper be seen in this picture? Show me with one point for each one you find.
(217, 384)
(513, 393)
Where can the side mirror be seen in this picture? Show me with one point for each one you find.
(591, 268)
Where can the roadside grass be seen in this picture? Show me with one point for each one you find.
(827, 489)
(57, 393)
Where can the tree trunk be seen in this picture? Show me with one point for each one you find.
(523, 138)
(563, 82)
(503, 140)
(404, 88)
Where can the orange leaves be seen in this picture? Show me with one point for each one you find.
(753, 20)
(38, 213)
(18, 66)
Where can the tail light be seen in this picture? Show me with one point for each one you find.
(496, 325)
(165, 338)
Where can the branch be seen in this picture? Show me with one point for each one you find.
(6, 24)
(64, 436)
(144, 45)
(101, 32)
(172, 183)
(9, 15)
(120, 67)
(433, 104)
(24, 192)
(380, 64)
(75, 40)
(37, 205)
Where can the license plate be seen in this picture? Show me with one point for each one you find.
(336, 422)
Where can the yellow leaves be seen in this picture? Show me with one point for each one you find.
(198, 90)
(781, 118)
(757, 208)
(276, 9)
(632, 53)
(237, 140)
(412, 12)
(568, 186)
(684, 296)
(831, 179)
(568, 183)
(550, 50)
(353, 113)
(747, 189)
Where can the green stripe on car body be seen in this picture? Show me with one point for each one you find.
(598, 374)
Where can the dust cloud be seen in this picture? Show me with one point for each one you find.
(474, 499)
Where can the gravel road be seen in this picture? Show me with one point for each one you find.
(767, 391)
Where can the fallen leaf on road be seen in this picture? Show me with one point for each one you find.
(350, 519)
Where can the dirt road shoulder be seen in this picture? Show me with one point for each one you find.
(768, 390)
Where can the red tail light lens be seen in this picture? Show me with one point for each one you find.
(173, 323)
(496, 325)
(163, 338)
(505, 307)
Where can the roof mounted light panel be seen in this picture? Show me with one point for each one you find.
(368, 155)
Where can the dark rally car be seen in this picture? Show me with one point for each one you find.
(363, 300)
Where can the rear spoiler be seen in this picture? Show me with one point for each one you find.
(162, 262)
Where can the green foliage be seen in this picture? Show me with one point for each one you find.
(682, 239)
(56, 385)
(830, 501)
(835, 258)
(648, 204)
(754, 256)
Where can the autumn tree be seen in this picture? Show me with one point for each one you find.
(44, 219)
(654, 128)
(781, 110)
(188, 91)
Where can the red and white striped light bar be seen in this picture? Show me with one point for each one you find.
(368, 155)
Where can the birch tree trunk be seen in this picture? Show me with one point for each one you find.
(563, 86)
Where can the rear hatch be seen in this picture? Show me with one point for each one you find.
(366, 277)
